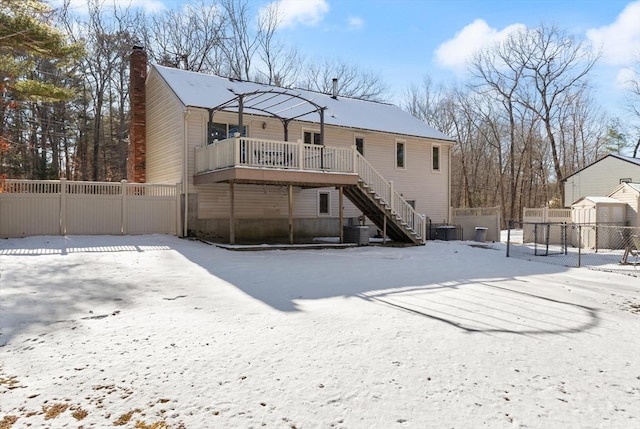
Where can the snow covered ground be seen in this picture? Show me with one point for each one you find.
(154, 331)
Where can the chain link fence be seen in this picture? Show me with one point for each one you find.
(604, 247)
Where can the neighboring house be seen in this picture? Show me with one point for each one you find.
(259, 162)
(629, 193)
(598, 178)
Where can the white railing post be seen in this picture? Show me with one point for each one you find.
(300, 155)
(63, 206)
(236, 148)
(391, 197)
(355, 159)
(423, 227)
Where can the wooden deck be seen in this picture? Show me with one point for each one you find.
(242, 160)
(269, 175)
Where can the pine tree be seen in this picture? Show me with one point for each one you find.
(34, 59)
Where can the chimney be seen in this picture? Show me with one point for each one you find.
(136, 161)
(334, 94)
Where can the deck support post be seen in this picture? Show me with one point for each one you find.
(290, 192)
(341, 212)
(384, 230)
(232, 215)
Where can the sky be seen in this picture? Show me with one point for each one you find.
(157, 331)
(405, 40)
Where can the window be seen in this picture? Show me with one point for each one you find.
(311, 137)
(360, 145)
(324, 208)
(625, 180)
(400, 154)
(435, 159)
(224, 131)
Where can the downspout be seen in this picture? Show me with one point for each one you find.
(449, 187)
(185, 174)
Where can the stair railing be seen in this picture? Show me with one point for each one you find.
(399, 208)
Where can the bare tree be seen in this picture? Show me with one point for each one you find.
(499, 71)
(556, 68)
(241, 43)
(282, 64)
(352, 80)
(191, 39)
(108, 35)
(633, 101)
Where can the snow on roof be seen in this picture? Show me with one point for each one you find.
(209, 91)
(635, 186)
(598, 200)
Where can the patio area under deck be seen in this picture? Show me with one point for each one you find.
(241, 160)
(244, 160)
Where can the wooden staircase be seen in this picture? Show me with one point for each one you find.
(378, 200)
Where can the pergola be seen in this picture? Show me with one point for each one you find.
(273, 102)
(284, 105)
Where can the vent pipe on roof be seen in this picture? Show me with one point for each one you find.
(334, 93)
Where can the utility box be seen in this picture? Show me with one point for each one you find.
(446, 232)
(356, 234)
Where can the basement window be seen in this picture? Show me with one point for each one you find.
(324, 208)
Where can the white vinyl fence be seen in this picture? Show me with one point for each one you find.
(532, 216)
(61, 207)
(483, 217)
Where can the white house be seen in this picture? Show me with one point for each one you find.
(598, 178)
(259, 162)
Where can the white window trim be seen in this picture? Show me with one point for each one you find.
(439, 170)
(395, 154)
(328, 193)
(308, 130)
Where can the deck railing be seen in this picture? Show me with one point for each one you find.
(260, 153)
(384, 189)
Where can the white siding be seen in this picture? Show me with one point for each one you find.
(599, 179)
(631, 197)
(165, 133)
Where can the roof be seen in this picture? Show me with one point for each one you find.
(634, 186)
(620, 157)
(210, 91)
(599, 200)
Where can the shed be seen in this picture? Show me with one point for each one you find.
(629, 193)
(592, 211)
